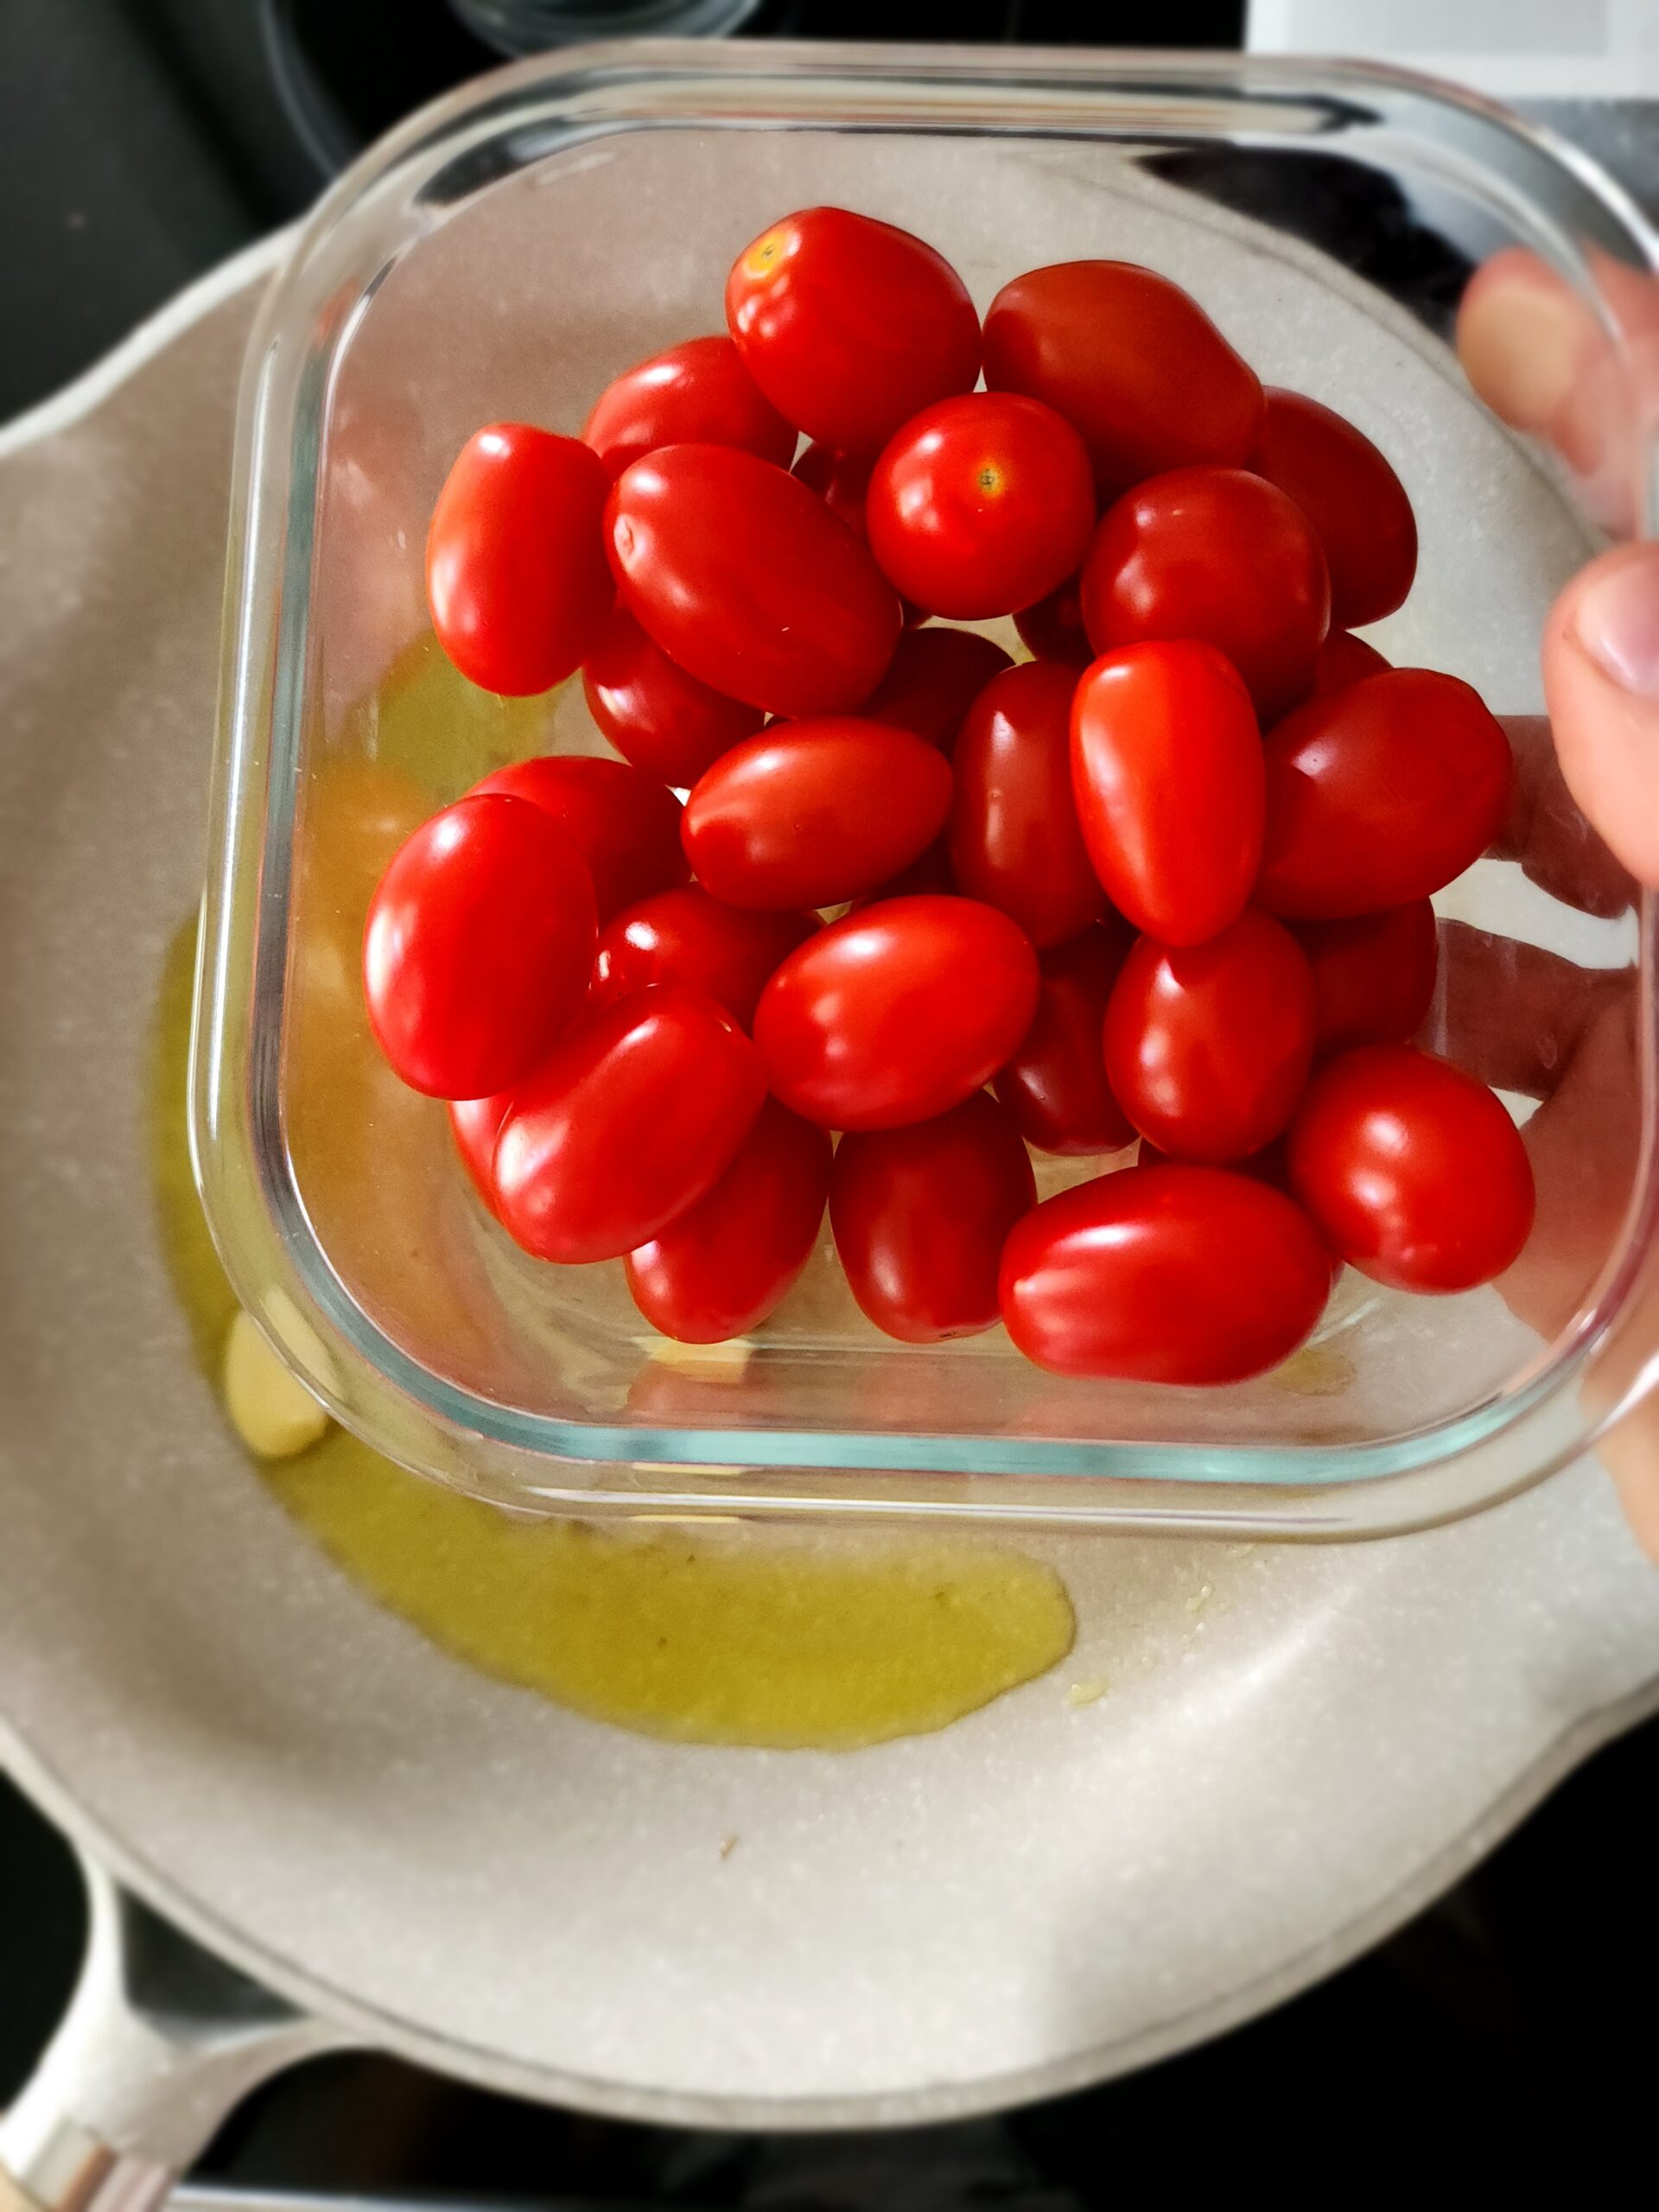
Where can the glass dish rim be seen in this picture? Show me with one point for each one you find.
(259, 756)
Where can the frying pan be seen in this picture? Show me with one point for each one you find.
(1254, 1762)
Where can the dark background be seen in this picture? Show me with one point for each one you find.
(1507, 2032)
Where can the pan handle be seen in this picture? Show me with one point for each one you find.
(160, 2043)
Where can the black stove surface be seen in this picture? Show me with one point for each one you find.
(140, 142)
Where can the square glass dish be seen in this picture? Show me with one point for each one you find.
(506, 254)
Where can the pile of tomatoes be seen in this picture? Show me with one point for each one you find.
(1167, 879)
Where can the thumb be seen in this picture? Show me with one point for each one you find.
(1601, 683)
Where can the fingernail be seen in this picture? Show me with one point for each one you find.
(1618, 623)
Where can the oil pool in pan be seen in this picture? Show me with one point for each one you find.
(766, 1640)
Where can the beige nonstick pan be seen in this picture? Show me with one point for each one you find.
(1246, 1766)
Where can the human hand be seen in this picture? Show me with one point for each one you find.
(1519, 1017)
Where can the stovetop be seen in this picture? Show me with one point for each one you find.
(140, 142)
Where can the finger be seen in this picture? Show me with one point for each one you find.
(1548, 833)
(1580, 374)
(1601, 684)
(1512, 1014)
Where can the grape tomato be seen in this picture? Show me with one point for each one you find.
(685, 935)
(515, 576)
(745, 579)
(1055, 1087)
(624, 823)
(1164, 1274)
(477, 947)
(1373, 975)
(1015, 838)
(935, 675)
(1219, 555)
(1347, 491)
(1131, 360)
(1208, 1046)
(659, 718)
(1167, 774)
(920, 1215)
(727, 1263)
(897, 1012)
(849, 326)
(634, 1115)
(1414, 1170)
(811, 813)
(698, 393)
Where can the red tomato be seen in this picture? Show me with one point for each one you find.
(1343, 659)
(850, 327)
(477, 948)
(636, 1114)
(1373, 975)
(980, 504)
(896, 1013)
(930, 873)
(1380, 794)
(1270, 1165)
(1208, 1045)
(1129, 358)
(1166, 769)
(935, 676)
(515, 558)
(920, 1215)
(1053, 630)
(810, 813)
(1014, 839)
(624, 824)
(1356, 503)
(841, 480)
(699, 393)
(663, 720)
(724, 1266)
(1412, 1169)
(1164, 1274)
(686, 937)
(475, 1123)
(1215, 554)
(745, 577)
(1055, 1086)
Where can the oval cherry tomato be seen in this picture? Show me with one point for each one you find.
(1015, 838)
(1373, 975)
(1344, 659)
(623, 823)
(1053, 630)
(1412, 1169)
(1167, 770)
(934, 678)
(920, 1216)
(1379, 794)
(516, 576)
(1215, 554)
(1055, 1086)
(1356, 503)
(699, 393)
(658, 717)
(686, 937)
(1164, 1274)
(477, 947)
(746, 580)
(810, 813)
(1208, 1045)
(636, 1114)
(850, 327)
(841, 480)
(475, 1123)
(980, 504)
(1131, 360)
(896, 1013)
(722, 1267)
